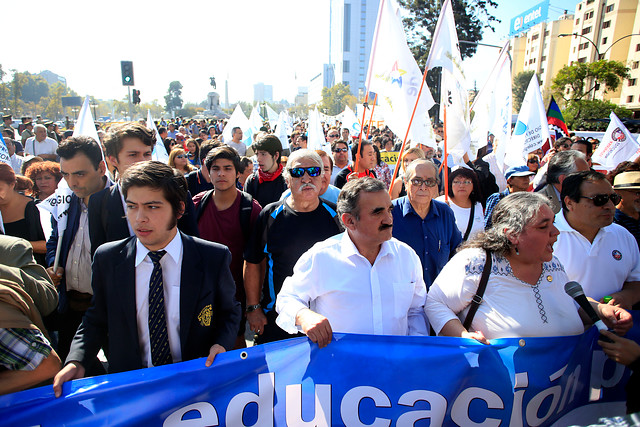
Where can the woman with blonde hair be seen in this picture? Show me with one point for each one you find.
(178, 160)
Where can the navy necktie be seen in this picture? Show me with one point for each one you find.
(158, 336)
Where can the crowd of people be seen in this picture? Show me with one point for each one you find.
(162, 262)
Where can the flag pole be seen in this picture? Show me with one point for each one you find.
(56, 262)
(415, 107)
(375, 99)
(358, 153)
(445, 154)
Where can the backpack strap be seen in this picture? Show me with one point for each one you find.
(470, 223)
(246, 207)
(203, 202)
(477, 298)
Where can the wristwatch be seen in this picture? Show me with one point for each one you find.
(251, 308)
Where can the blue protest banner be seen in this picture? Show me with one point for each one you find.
(529, 18)
(357, 380)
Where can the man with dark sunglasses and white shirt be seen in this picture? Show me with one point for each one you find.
(603, 257)
(283, 232)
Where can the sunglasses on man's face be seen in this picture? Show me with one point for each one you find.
(333, 135)
(312, 171)
(340, 150)
(533, 161)
(602, 199)
(181, 156)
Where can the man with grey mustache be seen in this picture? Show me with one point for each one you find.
(284, 231)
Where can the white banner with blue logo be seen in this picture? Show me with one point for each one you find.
(357, 380)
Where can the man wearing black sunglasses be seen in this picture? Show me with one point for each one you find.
(603, 257)
(283, 232)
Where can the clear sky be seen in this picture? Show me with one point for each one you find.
(279, 42)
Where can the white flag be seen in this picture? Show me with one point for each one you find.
(350, 121)
(316, 139)
(4, 151)
(281, 131)
(532, 128)
(272, 116)
(445, 53)
(86, 125)
(255, 123)
(237, 119)
(58, 204)
(159, 152)
(618, 145)
(395, 76)
(492, 108)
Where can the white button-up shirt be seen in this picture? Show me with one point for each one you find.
(600, 267)
(171, 264)
(335, 280)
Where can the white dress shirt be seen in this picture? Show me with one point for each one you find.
(600, 267)
(335, 280)
(37, 148)
(171, 264)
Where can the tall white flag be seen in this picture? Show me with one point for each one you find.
(445, 53)
(281, 131)
(532, 128)
(85, 124)
(350, 121)
(618, 145)
(492, 108)
(237, 119)
(316, 139)
(272, 116)
(159, 152)
(255, 123)
(395, 76)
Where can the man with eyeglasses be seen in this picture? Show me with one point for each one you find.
(603, 257)
(340, 150)
(627, 185)
(428, 226)
(283, 232)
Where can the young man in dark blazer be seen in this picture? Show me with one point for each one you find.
(161, 296)
(125, 145)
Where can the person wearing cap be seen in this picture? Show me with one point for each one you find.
(603, 257)
(627, 185)
(267, 184)
(50, 133)
(561, 165)
(40, 144)
(26, 133)
(6, 125)
(517, 178)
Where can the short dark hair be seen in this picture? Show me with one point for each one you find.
(86, 145)
(349, 197)
(7, 174)
(245, 162)
(354, 149)
(162, 130)
(572, 185)
(113, 140)
(233, 130)
(159, 176)
(206, 147)
(586, 143)
(224, 152)
(303, 137)
(562, 141)
(335, 143)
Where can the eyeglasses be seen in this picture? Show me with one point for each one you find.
(467, 182)
(532, 161)
(340, 150)
(430, 182)
(333, 135)
(181, 156)
(312, 171)
(602, 199)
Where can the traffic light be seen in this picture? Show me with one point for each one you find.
(136, 97)
(127, 73)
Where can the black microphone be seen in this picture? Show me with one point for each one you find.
(574, 290)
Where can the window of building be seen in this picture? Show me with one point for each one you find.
(590, 1)
(577, 21)
(546, 33)
(532, 61)
(535, 37)
(583, 46)
(638, 47)
(629, 99)
(608, 9)
(346, 38)
(544, 58)
(601, 56)
(582, 60)
(604, 40)
(588, 15)
(632, 82)
(541, 71)
(580, 6)
(345, 66)
(635, 65)
(586, 30)
(606, 24)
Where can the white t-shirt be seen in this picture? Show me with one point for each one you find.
(462, 217)
(510, 307)
(48, 146)
(240, 147)
(600, 267)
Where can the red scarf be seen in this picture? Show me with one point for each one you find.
(269, 176)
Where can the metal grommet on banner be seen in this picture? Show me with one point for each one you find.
(521, 343)
(243, 355)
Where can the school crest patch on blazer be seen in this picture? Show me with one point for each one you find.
(205, 316)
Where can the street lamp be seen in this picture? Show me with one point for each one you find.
(94, 105)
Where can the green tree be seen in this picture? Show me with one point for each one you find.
(52, 104)
(173, 98)
(34, 88)
(520, 85)
(19, 80)
(335, 98)
(578, 80)
(586, 114)
(472, 18)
